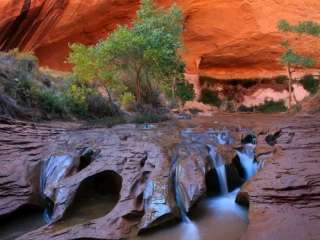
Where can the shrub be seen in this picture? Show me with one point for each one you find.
(272, 106)
(23, 92)
(310, 84)
(127, 100)
(50, 101)
(150, 118)
(98, 106)
(185, 91)
(281, 79)
(210, 97)
(244, 108)
(147, 52)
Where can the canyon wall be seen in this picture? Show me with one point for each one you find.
(223, 39)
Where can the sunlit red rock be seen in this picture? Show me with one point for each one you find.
(227, 39)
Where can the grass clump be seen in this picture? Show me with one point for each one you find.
(185, 91)
(310, 84)
(150, 118)
(282, 79)
(210, 97)
(272, 107)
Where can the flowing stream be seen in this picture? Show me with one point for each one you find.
(217, 164)
(218, 217)
(248, 163)
(214, 218)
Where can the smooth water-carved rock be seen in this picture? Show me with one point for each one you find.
(55, 169)
(149, 163)
(22, 148)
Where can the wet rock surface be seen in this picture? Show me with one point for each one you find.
(284, 197)
(154, 176)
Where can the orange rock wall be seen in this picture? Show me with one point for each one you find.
(223, 38)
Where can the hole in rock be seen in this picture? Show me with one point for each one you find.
(86, 157)
(95, 198)
(271, 139)
(21, 221)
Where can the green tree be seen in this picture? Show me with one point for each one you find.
(290, 58)
(142, 58)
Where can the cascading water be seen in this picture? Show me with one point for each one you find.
(190, 230)
(218, 165)
(247, 157)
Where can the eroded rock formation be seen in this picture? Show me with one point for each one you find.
(159, 174)
(225, 39)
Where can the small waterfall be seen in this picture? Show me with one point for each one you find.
(247, 160)
(179, 196)
(218, 165)
(190, 230)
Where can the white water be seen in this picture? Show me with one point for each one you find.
(221, 172)
(247, 161)
(214, 218)
(189, 229)
(220, 169)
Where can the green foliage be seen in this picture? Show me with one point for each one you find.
(272, 107)
(307, 27)
(284, 26)
(210, 97)
(137, 59)
(310, 84)
(291, 57)
(50, 102)
(185, 91)
(244, 108)
(281, 79)
(150, 118)
(127, 99)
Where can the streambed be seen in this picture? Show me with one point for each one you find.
(217, 217)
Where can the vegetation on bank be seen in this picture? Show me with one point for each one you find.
(292, 59)
(134, 75)
(137, 65)
(137, 68)
(210, 97)
(310, 83)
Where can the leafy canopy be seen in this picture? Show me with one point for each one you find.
(290, 56)
(143, 56)
(307, 27)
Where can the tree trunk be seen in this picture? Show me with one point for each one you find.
(138, 86)
(290, 85)
(174, 88)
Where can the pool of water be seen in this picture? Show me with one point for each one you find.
(214, 218)
(21, 222)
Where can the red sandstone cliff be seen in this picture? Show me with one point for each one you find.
(233, 39)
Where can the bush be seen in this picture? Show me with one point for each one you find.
(310, 84)
(210, 97)
(127, 100)
(150, 118)
(281, 79)
(272, 106)
(244, 108)
(185, 91)
(50, 101)
(98, 106)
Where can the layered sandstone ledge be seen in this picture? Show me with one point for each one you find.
(224, 39)
(283, 197)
